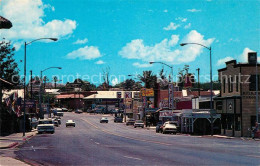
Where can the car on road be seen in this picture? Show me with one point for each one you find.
(169, 127)
(159, 127)
(45, 128)
(59, 113)
(57, 118)
(130, 122)
(56, 123)
(103, 120)
(78, 111)
(70, 123)
(64, 110)
(139, 123)
(118, 120)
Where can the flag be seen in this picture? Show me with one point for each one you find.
(18, 109)
(15, 96)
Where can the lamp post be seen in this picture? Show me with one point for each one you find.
(170, 80)
(211, 86)
(40, 99)
(24, 84)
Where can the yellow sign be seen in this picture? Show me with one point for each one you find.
(147, 92)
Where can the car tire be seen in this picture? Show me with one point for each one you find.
(143, 127)
(135, 126)
(52, 132)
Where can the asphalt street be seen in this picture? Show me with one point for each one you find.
(94, 143)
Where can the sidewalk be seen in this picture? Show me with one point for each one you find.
(15, 139)
(11, 161)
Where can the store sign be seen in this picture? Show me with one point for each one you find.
(128, 94)
(147, 92)
(171, 97)
(136, 95)
(166, 113)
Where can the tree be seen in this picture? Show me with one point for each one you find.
(148, 78)
(163, 81)
(8, 67)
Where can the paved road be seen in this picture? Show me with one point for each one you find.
(92, 143)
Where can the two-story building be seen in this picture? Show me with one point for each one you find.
(237, 100)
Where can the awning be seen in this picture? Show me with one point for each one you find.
(70, 96)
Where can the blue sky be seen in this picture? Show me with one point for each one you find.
(126, 35)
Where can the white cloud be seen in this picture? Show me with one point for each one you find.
(165, 11)
(85, 53)
(28, 23)
(167, 50)
(100, 62)
(244, 56)
(224, 60)
(171, 26)
(144, 65)
(193, 10)
(114, 81)
(83, 41)
(17, 45)
(181, 19)
(233, 40)
(187, 26)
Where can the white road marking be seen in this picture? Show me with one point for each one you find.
(132, 158)
(97, 143)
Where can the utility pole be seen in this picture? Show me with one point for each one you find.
(31, 84)
(198, 69)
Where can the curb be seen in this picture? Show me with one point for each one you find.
(10, 146)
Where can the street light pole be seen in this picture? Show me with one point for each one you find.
(211, 83)
(24, 84)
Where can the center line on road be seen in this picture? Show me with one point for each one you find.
(132, 158)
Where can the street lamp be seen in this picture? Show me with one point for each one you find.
(40, 102)
(211, 86)
(24, 84)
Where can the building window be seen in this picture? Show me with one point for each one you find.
(224, 85)
(237, 83)
(230, 84)
(252, 81)
(219, 105)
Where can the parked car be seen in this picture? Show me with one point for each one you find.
(118, 120)
(56, 123)
(59, 113)
(78, 111)
(70, 123)
(46, 128)
(169, 127)
(103, 120)
(139, 123)
(58, 119)
(64, 110)
(159, 127)
(130, 122)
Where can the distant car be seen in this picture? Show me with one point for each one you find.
(56, 123)
(130, 122)
(64, 110)
(169, 127)
(103, 120)
(159, 127)
(139, 123)
(78, 111)
(70, 123)
(58, 119)
(59, 113)
(70, 110)
(118, 120)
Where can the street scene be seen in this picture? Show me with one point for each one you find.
(129, 82)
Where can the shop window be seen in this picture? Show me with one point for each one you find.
(229, 121)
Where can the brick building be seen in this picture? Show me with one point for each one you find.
(237, 100)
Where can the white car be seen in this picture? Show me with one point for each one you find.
(169, 127)
(139, 123)
(70, 123)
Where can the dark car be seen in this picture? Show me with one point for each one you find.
(159, 127)
(118, 120)
(78, 111)
(130, 122)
